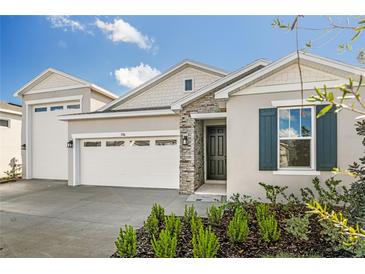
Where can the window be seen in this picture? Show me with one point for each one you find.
(114, 143)
(73, 106)
(295, 137)
(53, 108)
(4, 123)
(188, 84)
(41, 109)
(92, 144)
(140, 143)
(166, 142)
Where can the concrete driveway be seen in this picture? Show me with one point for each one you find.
(42, 218)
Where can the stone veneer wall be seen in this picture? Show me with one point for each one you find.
(192, 154)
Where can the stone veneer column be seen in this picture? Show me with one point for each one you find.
(192, 154)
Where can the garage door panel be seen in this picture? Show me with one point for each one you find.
(131, 166)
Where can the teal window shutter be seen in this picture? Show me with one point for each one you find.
(326, 140)
(268, 139)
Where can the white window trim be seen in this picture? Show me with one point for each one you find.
(192, 84)
(298, 170)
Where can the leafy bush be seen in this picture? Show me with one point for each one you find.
(127, 242)
(262, 211)
(195, 225)
(215, 214)
(165, 246)
(238, 227)
(298, 226)
(330, 194)
(189, 213)
(205, 244)
(272, 191)
(158, 211)
(173, 225)
(268, 224)
(239, 200)
(15, 170)
(152, 225)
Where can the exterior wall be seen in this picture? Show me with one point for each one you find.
(243, 145)
(171, 89)
(118, 125)
(10, 141)
(98, 100)
(192, 174)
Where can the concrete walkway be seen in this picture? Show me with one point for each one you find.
(42, 218)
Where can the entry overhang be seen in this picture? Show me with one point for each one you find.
(207, 116)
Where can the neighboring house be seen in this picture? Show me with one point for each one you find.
(10, 135)
(196, 125)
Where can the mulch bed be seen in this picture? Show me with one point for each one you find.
(254, 246)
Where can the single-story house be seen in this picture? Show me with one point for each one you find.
(10, 132)
(191, 126)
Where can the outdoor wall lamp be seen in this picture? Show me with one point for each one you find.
(185, 140)
(70, 144)
(23, 147)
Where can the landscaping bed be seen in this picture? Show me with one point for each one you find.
(254, 246)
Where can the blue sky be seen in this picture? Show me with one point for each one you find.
(120, 52)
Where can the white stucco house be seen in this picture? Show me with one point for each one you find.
(191, 126)
(10, 135)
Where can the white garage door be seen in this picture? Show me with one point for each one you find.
(132, 162)
(49, 140)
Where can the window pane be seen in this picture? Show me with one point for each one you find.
(294, 130)
(43, 109)
(188, 84)
(56, 108)
(306, 122)
(295, 153)
(140, 143)
(166, 142)
(114, 143)
(73, 106)
(284, 122)
(92, 144)
(4, 123)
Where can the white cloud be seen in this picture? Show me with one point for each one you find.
(121, 31)
(66, 23)
(134, 76)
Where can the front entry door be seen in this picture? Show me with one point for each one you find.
(216, 153)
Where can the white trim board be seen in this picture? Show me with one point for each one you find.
(103, 115)
(208, 116)
(10, 111)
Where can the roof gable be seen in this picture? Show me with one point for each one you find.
(161, 78)
(315, 70)
(53, 80)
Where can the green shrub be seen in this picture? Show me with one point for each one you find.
(272, 192)
(238, 230)
(165, 246)
(238, 200)
(262, 211)
(298, 227)
(158, 211)
(195, 225)
(269, 230)
(215, 214)
(205, 244)
(189, 213)
(127, 242)
(173, 225)
(152, 225)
